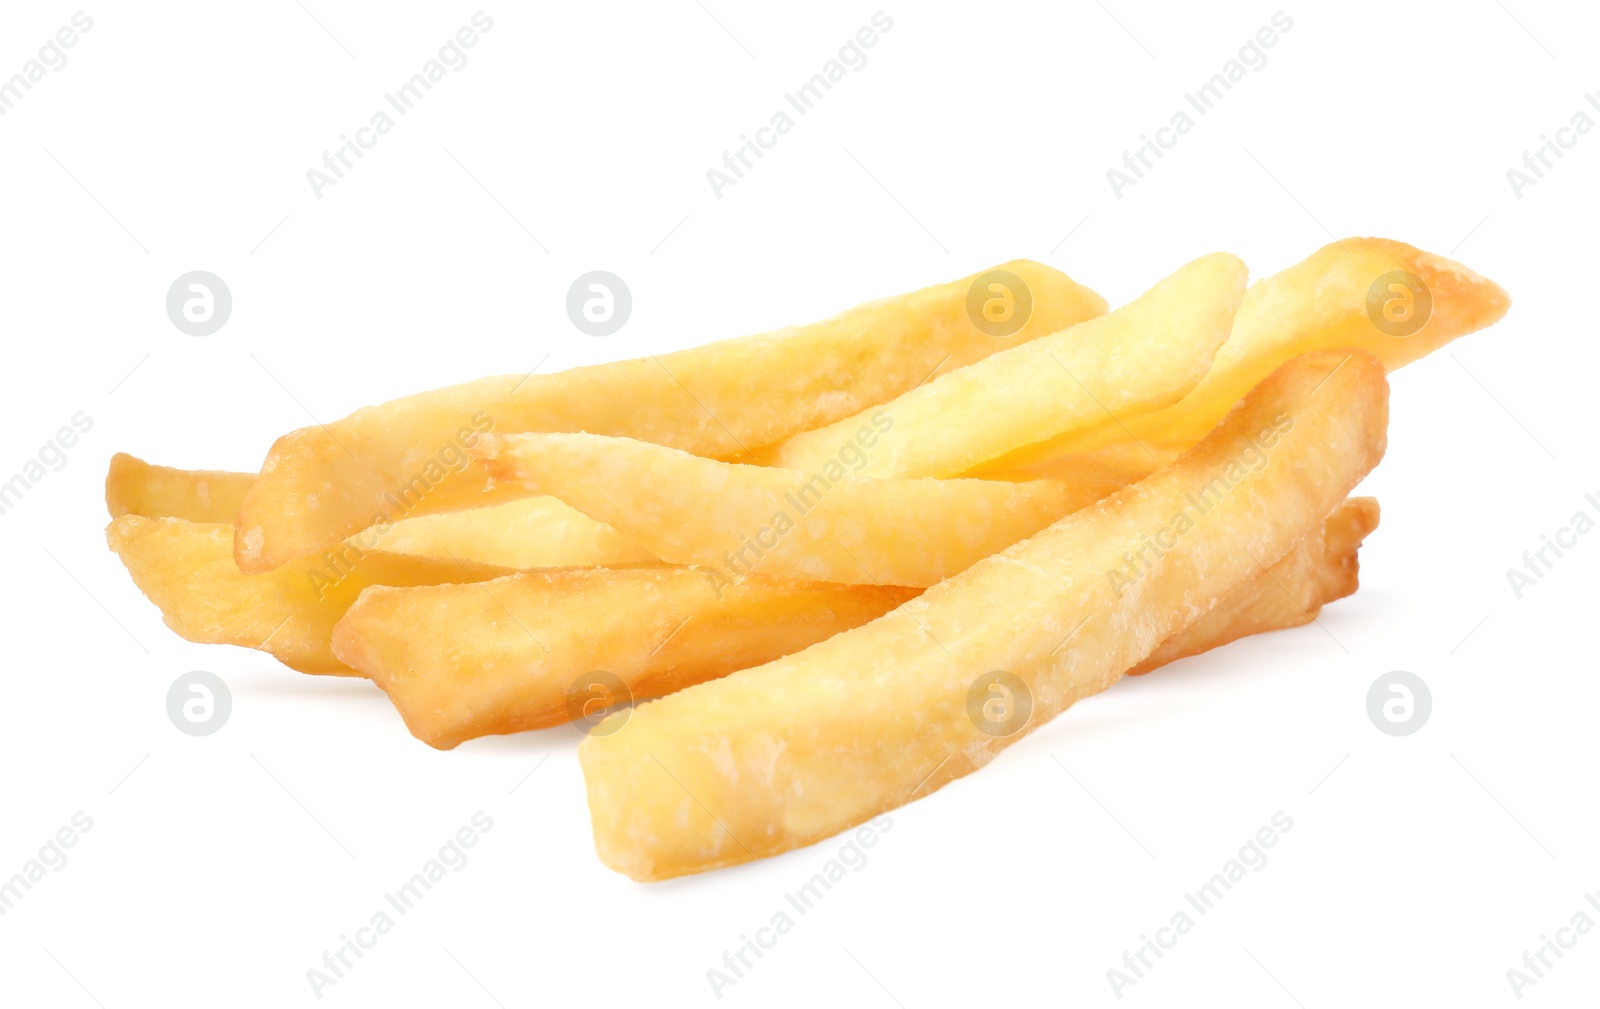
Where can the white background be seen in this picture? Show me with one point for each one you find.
(218, 870)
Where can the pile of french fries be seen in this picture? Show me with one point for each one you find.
(853, 560)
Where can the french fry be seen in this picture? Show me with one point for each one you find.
(1143, 356)
(1323, 567)
(456, 670)
(135, 487)
(463, 661)
(321, 484)
(536, 532)
(187, 569)
(1347, 528)
(735, 519)
(786, 754)
(1321, 303)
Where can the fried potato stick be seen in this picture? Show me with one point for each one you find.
(136, 487)
(320, 484)
(517, 653)
(736, 519)
(1143, 356)
(1322, 568)
(187, 569)
(1335, 298)
(786, 754)
(535, 532)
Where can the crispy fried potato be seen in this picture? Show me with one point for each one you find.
(1320, 303)
(1323, 567)
(537, 532)
(320, 484)
(187, 570)
(456, 671)
(135, 487)
(463, 661)
(734, 519)
(1145, 355)
(1348, 527)
(785, 754)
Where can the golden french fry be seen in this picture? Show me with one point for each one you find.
(517, 653)
(734, 520)
(135, 487)
(456, 670)
(537, 532)
(785, 754)
(187, 569)
(1321, 568)
(1145, 355)
(1348, 527)
(1336, 298)
(407, 457)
